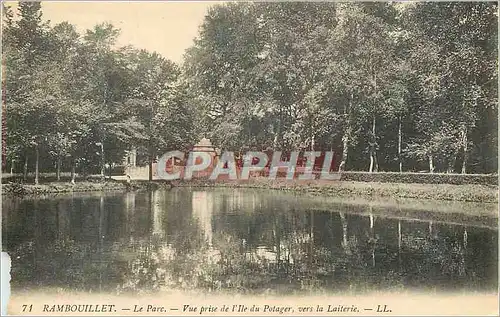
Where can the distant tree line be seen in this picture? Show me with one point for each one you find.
(387, 86)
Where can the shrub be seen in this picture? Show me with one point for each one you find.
(421, 178)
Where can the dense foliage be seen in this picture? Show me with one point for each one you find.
(388, 87)
(392, 87)
(78, 100)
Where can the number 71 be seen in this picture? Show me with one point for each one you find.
(29, 307)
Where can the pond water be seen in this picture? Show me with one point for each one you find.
(244, 240)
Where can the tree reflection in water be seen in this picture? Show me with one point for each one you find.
(245, 241)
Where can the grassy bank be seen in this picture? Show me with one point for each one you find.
(448, 192)
(344, 189)
(18, 189)
(348, 176)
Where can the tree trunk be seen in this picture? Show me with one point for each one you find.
(431, 164)
(277, 137)
(346, 136)
(373, 149)
(58, 172)
(102, 161)
(312, 141)
(25, 172)
(12, 167)
(451, 163)
(110, 169)
(399, 146)
(371, 161)
(151, 159)
(73, 174)
(464, 144)
(345, 150)
(373, 152)
(375, 159)
(37, 161)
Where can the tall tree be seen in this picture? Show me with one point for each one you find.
(28, 104)
(157, 101)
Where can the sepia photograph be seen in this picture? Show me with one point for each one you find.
(279, 158)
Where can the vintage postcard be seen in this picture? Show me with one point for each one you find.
(249, 158)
